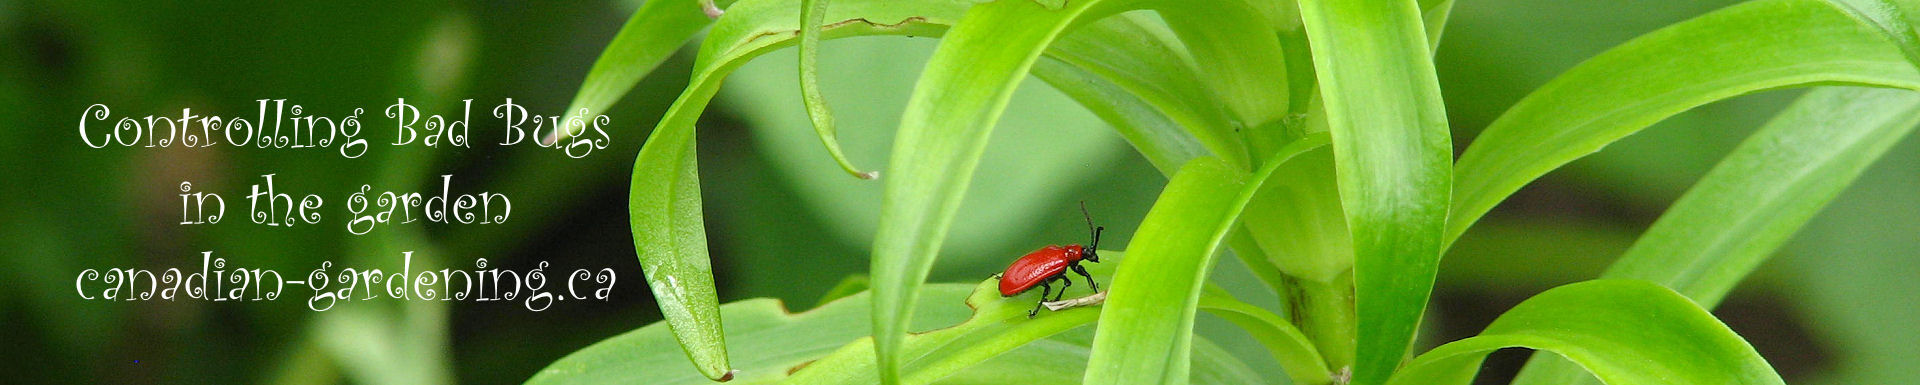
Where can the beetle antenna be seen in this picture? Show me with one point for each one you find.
(1096, 229)
(1083, 213)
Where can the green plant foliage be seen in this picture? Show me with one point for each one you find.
(665, 204)
(1142, 342)
(1391, 154)
(997, 326)
(1665, 72)
(1235, 100)
(942, 133)
(1300, 222)
(853, 284)
(1245, 68)
(1151, 133)
(812, 14)
(649, 37)
(1671, 341)
(1891, 18)
(672, 240)
(1767, 188)
(1758, 196)
(1145, 61)
(990, 339)
(1296, 354)
(1043, 152)
(767, 340)
(732, 41)
(1149, 312)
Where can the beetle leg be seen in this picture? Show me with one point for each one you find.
(1063, 289)
(1044, 290)
(1083, 273)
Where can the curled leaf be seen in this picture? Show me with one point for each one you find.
(812, 14)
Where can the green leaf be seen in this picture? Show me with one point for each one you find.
(1662, 73)
(1296, 354)
(991, 342)
(647, 39)
(1151, 133)
(754, 27)
(1671, 340)
(997, 326)
(998, 338)
(1391, 156)
(1891, 18)
(1063, 359)
(1300, 224)
(1140, 340)
(1298, 228)
(769, 342)
(812, 14)
(1240, 242)
(852, 284)
(1245, 67)
(943, 132)
(1039, 156)
(1759, 196)
(1213, 365)
(1434, 14)
(1144, 60)
(665, 205)
(671, 239)
(1147, 322)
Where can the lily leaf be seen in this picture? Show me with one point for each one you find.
(812, 14)
(944, 131)
(665, 206)
(1392, 156)
(1144, 59)
(667, 170)
(671, 239)
(1755, 199)
(1671, 341)
(651, 35)
(1143, 337)
(1287, 344)
(1662, 73)
(1148, 319)
(989, 341)
(1758, 197)
(1245, 66)
(1893, 18)
(768, 342)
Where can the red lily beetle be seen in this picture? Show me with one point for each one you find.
(1049, 264)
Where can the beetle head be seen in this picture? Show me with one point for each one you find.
(1092, 253)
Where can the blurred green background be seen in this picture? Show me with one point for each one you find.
(1837, 306)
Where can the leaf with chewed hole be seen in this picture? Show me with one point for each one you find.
(768, 342)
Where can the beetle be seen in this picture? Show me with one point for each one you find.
(1042, 267)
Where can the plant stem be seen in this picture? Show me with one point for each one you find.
(1325, 313)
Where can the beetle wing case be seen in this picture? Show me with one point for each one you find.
(1030, 270)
